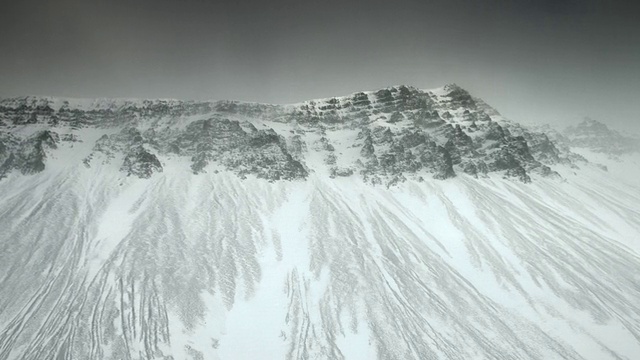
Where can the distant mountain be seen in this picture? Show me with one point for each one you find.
(391, 224)
(597, 137)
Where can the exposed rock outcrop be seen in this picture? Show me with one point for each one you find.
(398, 133)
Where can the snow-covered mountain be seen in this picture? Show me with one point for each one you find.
(392, 224)
(596, 136)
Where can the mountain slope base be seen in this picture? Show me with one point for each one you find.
(95, 265)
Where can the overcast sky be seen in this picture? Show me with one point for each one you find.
(547, 61)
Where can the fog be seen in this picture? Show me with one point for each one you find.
(536, 62)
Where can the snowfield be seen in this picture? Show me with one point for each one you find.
(361, 227)
(98, 265)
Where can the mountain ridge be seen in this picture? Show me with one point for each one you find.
(448, 132)
(395, 225)
(15, 101)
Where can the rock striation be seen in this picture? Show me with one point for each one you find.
(383, 136)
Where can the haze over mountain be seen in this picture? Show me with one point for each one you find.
(546, 61)
(392, 224)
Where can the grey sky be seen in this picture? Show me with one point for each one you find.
(535, 61)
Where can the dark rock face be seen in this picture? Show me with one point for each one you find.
(34, 110)
(514, 157)
(325, 144)
(542, 148)
(460, 144)
(368, 150)
(492, 148)
(470, 168)
(395, 117)
(408, 152)
(361, 100)
(297, 147)
(260, 152)
(552, 148)
(342, 172)
(443, 164)
(141, 163)
(460, 97)
(518, 173)
(31, 158)
(27, 155)
(402, 132)
(130, 142)
(495, 132)
(8, 146)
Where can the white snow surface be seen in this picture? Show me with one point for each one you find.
(98, 265)
(209, 266)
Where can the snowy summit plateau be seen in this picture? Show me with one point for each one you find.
(392, 224)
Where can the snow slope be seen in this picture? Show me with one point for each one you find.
(96, 263)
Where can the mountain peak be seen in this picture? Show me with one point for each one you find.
(597, 136)
(588, 122)
(588, 127)
(453, 86)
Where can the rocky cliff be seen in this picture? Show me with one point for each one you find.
(382, 136)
